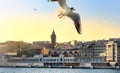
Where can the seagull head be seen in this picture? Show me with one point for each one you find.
(72, 8)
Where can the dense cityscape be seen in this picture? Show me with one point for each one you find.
(99, 53)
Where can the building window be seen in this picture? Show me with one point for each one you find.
(109, 46)
(61, 59)
(40, 59)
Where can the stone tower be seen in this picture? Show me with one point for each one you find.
(53, 39)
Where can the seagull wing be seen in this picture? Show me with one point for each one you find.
(63, 4)
(76, 19)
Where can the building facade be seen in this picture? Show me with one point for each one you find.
(99, 48)
(111, 51)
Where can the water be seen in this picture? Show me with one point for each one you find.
(47, 70)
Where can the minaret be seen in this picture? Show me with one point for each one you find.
(53, 40)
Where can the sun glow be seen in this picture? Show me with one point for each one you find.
(39, 28)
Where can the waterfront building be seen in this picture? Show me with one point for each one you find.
(99, 48)
(118, 51)
(86, 52)
(3, 48)
(111, 51)
(41, 61)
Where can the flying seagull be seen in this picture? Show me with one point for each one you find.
(68, 11)
(35, 9)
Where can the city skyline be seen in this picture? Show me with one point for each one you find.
(19, 20)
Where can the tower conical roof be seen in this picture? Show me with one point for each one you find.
(53, 33)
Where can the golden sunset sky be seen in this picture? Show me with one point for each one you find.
(20, 22)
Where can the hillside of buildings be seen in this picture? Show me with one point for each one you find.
(19, 48)
(30, 49)
(99, 51)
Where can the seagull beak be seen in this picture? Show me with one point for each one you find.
(73, 9)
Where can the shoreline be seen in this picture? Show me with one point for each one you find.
(62, 67)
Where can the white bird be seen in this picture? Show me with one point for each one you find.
(67, 11)
(35, 9)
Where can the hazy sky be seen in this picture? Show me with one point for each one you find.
(18, 20)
